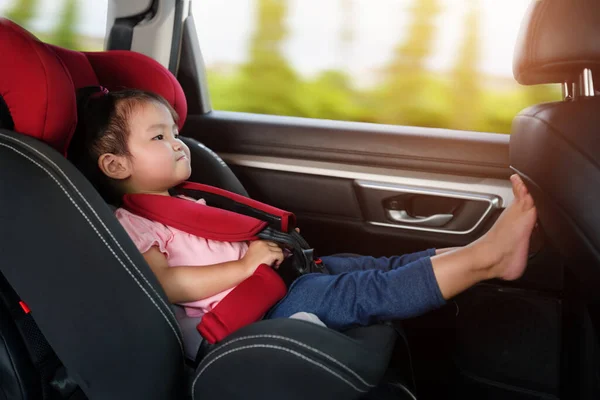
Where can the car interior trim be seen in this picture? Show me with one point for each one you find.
(499, 188)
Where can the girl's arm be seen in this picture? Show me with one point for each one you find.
(191, 283)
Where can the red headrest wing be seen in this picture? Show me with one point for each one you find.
(36, 87)
(119, 69)
(78, 65)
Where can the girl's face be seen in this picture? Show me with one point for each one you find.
(159, 159)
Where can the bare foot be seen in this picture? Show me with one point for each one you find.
(508, 240)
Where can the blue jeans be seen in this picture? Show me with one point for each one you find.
(365, 290)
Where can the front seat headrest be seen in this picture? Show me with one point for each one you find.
(35, 88)
(557, 40)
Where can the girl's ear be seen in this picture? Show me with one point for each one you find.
(115, 167)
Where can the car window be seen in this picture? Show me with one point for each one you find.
(74, 24)
(431, 63)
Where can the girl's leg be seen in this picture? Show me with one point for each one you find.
(445, 250)
(363, 297)
(337, 265)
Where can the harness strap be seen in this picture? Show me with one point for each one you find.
(280, 227)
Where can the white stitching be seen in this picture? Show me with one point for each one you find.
(268, 346)
(405, 389)
(175, 331)
(299, 344)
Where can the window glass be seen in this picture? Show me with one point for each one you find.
(432, 63)
(74, 24)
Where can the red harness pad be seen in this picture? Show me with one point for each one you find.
(200, 220)
(206, 221)
(247, 303)
(288, 219)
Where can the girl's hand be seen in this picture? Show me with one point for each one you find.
(262, 252)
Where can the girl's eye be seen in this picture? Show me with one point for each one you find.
(176, 135)
(158, 137)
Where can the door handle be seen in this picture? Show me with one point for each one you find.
(401, 216)
(380, 209)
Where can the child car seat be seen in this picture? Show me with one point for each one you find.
(88, 289)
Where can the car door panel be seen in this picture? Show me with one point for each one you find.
(366, 144)
(319, 169)
(316, 198)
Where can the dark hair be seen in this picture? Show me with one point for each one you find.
(103, 127)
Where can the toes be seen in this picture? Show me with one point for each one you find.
(527, 202)
(516, 186)
(519, 188)
(514, 182)
(521, 193)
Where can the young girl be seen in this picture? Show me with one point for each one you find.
(133, 147)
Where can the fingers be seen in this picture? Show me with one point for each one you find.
(266, 252)
(278, 257)
(275, 253)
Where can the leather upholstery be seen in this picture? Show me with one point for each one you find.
(19, 379)
(333, 365)
(557, 40)
(555, 148)
(89, 290)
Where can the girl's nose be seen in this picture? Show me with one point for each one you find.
(177, 145)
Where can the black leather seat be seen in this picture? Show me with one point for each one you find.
(88, 288)
(555, 146)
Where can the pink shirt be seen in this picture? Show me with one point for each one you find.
(182, 248)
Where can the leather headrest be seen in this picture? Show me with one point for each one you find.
(119, 69)
(36, 87)
(557, 40)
